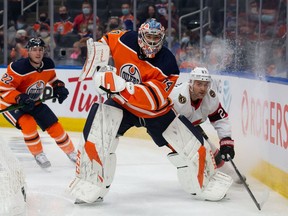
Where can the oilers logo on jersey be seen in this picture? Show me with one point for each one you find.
(130, 73)
(36, 89)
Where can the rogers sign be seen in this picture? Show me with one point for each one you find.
(264, 119)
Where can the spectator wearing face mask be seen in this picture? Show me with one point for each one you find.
(113, 24)
(43, 20)
(64, 23)
(126, 13)
(20, 24)
(81, 21)
(149, 12)
(44, 34)
(175, 45)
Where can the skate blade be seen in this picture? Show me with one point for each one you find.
(46, 169)
(81, 202)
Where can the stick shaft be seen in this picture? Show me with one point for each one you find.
(245, 184)
(15, 107)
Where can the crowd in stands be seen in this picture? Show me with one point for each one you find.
(252, 43)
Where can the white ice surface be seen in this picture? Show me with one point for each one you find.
(145, 183)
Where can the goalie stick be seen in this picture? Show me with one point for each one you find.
(259, 205)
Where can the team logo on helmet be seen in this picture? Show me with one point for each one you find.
(130, 73)
(35, 42)
(182, 99)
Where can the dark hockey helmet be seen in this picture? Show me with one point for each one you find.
(35, 42)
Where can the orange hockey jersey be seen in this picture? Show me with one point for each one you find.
(22, 77)
(153, 78)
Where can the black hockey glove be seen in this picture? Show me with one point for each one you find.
(227, 148)
(25, 101)
(60, 91)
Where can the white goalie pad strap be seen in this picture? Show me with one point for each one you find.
(177, 160)
(97, 56)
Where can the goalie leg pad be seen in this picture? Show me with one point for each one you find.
(196, 153)
(90, 191)
(96, 162)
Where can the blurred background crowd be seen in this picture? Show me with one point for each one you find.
(222, 35)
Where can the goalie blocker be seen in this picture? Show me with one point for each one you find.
(195, 162)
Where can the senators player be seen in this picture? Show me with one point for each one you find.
(22, 84)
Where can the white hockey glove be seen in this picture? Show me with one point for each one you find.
(107, 81)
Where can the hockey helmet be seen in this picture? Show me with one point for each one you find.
(35, 42)
(151, 37)
(200, 73)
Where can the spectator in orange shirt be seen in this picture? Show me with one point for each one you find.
(43, 20)
(64, 24)
(81, 21)
(20, 51)
(126, 13)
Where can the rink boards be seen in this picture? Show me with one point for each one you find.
(257, 110)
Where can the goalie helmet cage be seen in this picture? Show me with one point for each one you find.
(12, 183)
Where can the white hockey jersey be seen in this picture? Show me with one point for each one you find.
(208, 107)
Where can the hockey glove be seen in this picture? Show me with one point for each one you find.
(60, 91)
(227, 148)
(25, 101)
(110, 82)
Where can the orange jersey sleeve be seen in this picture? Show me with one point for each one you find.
(21, 77)
(153, 78)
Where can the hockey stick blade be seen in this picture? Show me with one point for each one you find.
(246, 185)
(15, 107)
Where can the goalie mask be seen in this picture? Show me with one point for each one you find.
(151, 37)
(199, 74)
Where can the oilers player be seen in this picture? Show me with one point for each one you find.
(23, 84)
(198, 102)
(144, 75)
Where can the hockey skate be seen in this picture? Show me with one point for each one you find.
(229, 170)
(72, 156)
(42, 161)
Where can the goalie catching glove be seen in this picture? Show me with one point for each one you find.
(227, 148)
(107, 81)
